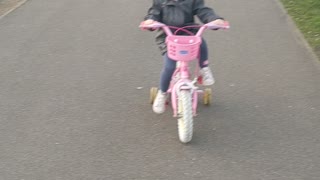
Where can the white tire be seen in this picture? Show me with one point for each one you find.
(185, 122)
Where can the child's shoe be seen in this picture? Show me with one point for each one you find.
(159, 104)
(207, 77)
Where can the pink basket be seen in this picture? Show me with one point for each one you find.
(183, 48)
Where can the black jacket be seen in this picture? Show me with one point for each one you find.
(178, 13)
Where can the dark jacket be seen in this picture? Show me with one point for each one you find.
(178, 13)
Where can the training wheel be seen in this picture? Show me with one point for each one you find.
(153, 94)
(207, 96)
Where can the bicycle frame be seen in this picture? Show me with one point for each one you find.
(183, 53)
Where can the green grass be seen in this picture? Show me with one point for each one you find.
(306, 14)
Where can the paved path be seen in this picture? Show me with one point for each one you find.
(70, 108)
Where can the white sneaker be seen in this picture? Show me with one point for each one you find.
(159, 104)
(207, 77)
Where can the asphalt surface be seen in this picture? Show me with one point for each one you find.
(75, 78)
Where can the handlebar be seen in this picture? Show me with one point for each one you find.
(157, 25)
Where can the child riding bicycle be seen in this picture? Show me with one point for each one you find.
(179, 13)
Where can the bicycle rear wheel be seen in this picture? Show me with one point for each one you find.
(207, 96)
(185, 122)
(153, 94)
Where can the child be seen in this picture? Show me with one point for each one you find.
(179, 13)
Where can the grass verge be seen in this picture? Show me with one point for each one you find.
(7, 6)
(306, 15)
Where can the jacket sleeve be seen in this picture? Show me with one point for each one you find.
(154, 11)
(204, 13)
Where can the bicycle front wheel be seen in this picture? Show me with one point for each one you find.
(185, 122)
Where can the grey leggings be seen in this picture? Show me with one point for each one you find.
(170, 66)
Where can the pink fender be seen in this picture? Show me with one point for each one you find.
(181, 84)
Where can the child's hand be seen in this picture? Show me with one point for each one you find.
(148, 22)
(218, 22)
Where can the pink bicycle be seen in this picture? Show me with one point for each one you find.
(183, 90)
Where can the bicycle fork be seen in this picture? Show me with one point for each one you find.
(184, 85)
